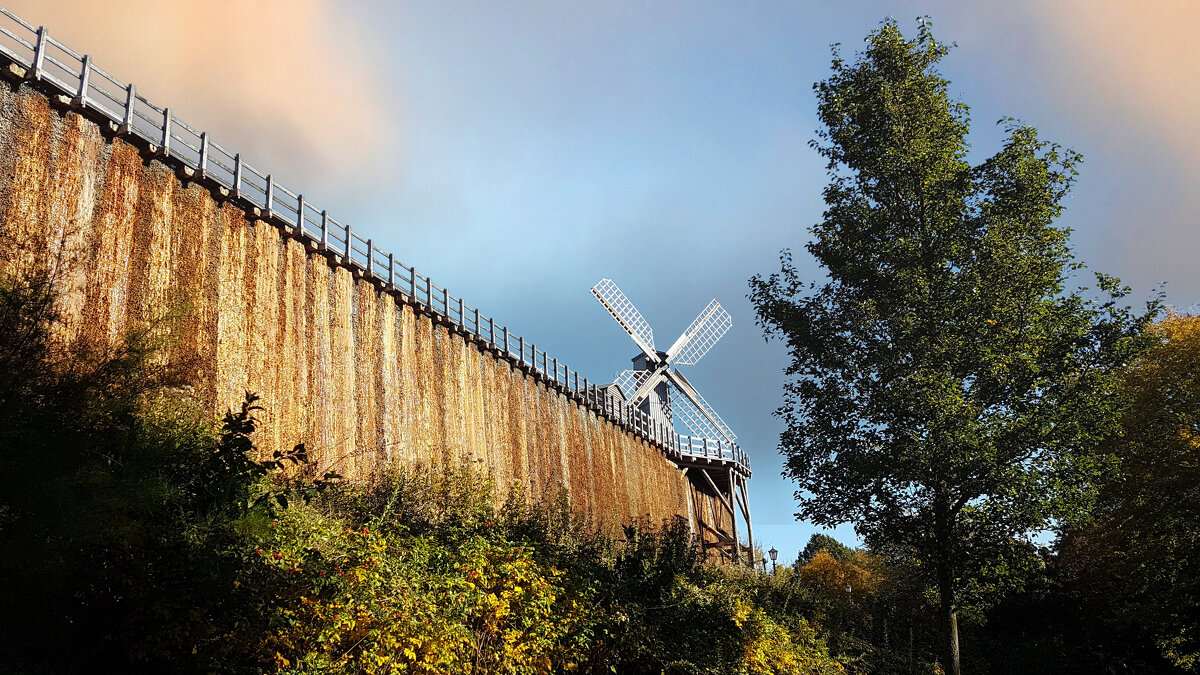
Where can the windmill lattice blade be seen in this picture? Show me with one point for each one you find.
(695, 413)
(630, 380)
(685, 411)
(653, 379)
(626, 315)
(700, 337)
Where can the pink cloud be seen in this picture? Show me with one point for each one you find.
(289, 83)
(1140, 58)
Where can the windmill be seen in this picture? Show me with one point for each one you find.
(660, 391)
(658, 388)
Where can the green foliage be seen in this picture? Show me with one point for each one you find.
(1137, 562)
(947, 394)
(422, 574)
(818, 542)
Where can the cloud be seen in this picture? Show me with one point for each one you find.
(290, 84)
(1141, 58)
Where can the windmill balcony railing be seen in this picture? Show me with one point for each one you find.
(90, 88)
(692, 447)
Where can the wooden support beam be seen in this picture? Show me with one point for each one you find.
(746, 512)
(721, 536)
(717, 490)
(733, 519)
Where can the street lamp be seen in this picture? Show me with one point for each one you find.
(774, 555)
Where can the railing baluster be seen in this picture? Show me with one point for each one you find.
(391, 271)
(492, 332)
(270, 212)
(39, 53)
(477, 331)
(130, 102)
(237, 175)
(349, 247)
(429, 292)
(300, 214)
(203, 170)
(462, 320)
(412, 283)
(81, 97)
(165, 146)
(324, 230)
(506, 341)
(370, 258)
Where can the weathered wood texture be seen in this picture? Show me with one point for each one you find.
(362, 380)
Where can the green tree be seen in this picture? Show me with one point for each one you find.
(818, 541)
(947, 392)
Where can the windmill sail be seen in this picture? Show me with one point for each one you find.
(626, 315)
(695, 413)
(700, 337)
(630, 380)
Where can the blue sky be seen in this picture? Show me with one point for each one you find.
(518, 152)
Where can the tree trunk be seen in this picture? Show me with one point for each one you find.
(950, 613)
(945, 576)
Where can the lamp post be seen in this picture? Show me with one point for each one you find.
(774, 555)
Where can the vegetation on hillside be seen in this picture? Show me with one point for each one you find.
(137, 535)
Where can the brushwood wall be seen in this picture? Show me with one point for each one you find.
(362, 379)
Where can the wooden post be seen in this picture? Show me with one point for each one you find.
(733, 518)
(130, 101)
(81, 96)
(270, 205)
(324, 230)
(165, 146)
(39, 52)
(203, 171)
(300, 214)
(746, 512)
(237, 175)
(492, 332)
(391, 271)
(370, 258)
(349, 249)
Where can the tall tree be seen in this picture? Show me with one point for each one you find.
(947, 392)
